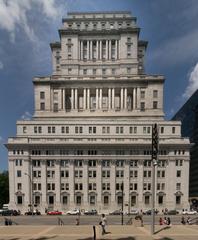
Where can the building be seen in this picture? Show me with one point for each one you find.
(91, 129)
(188, 115)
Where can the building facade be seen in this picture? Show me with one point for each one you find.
(188, 115)
(91, 129)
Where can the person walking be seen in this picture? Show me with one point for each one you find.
(103, 224)
(183, 221)
(168, 221)
(161, 222)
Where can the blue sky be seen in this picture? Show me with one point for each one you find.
(28, 26)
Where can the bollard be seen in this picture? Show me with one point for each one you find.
(94, 230)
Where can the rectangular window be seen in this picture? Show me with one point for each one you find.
(147, 199)
(42, 106)
(142, 106)
(155, 93)
(178, 200)
(173, 130)
(18, 173)
(42, 95)
(142, 94)
(19, 200)
(155, 103)
(19, 186)
(178, 173)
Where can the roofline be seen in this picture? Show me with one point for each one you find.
(98, 12)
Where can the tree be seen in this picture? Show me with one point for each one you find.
(4, 188)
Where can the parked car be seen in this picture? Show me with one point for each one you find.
(54, 213)
(189, 212)
(73, 212)
(149, 212)
(134, 212)
(116, 212)
(35, 212)
(91, 212)
(171, 212)
(10, 213)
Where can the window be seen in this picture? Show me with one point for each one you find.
(78, 163)
(119, 186)
(147, 163)
(18, 173)
(106, 163)
(18, 162)
(133, 163)
(50, 174)
(78, 130)
(155, 93)
(92, 186)
(92, 200)
(178, 162)
(36, 174)
(161, 129)
(106, 200)
(51, 130)
(94, 71)
(92, 174)
(55, 107)
(119, 130)
(92, 163)
(142, 94)
(133, 174)
(146, 199)
(65, 200)
(142, 106)
(106, 173)
(103, 71)
(132, 130)
(160, 199)
(64, 174)
(178, 174)
(133, 186)
(173, 130)
(113, 71)
(78, 186)
(50, 163)
(19, 200)
(178, 186)
(85, 71)
(78, 173)
(119, 173)
(119, 200)
(146, 130)
(155, 103)
(69, 70)
(178, 200)
(105, 130)
(42, 106)
(36, 163)
(64, 163)
(92, 130)
(120, 163)
(146, 186)
(147, 174)
(42, 95)
(19, 186)
(65, 129)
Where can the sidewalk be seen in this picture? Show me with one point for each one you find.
(126, 232)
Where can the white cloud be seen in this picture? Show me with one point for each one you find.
(1, 65)
(26, 116)
(14, 14)
(192, 82)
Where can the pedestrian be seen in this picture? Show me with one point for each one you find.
(103, 224)
(183, 221)
(188, 220)
(168, 221)
(161, 221)
(165, 221)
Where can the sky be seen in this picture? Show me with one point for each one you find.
(28, 26)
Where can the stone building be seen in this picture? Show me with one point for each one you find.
(91, 129)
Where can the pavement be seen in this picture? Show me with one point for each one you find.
(85, 232)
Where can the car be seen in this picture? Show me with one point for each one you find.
(91, 212)
(149, 212)
(116, 212)
(189, 212)
(134, 212)
(10, 213)
(35, 212)
(54, 213)
(171, 212)
(73, 212)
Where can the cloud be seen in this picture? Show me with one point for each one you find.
(14, 14)
(1, 65)
(26, 116)
(192, 82)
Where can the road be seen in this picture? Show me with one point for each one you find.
(84, 220)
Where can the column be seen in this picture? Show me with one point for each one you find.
(140, 180)
(125, 98)
(106, 49)
(109, 96)
(100, 99)
(76, 98)
(57, 183)
(96, 98)
(119, 47)
(113, 98)
(113, 183)
(91, 50)
(88, 98)
(63, 98)
(85, 183)
(44, 200)
(88, 53)
(96, 50)
(110, 50)
(99, 184)
(126, 185)
(134, 98)
(138, 98)
(71, 183)
(81, 50)
(121, 98)
(72, 99)
(116, 50)
(12, 185)
(84, 98)
(100, 51)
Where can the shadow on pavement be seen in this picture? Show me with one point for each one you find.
(162, 229)
(42, 238)
(166, 238)
(126, 238)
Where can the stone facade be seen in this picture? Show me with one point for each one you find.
(91, 130)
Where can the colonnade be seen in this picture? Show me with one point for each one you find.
(83, 98)
(99, 49)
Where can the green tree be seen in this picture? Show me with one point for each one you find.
(4, 188)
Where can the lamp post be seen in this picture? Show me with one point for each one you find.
(122, 187)
(155, 146)
(31, 193)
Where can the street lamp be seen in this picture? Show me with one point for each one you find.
(31, 193)
(155, 148)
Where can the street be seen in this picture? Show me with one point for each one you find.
(85, 220)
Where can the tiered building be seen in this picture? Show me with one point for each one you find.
(91, 129)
